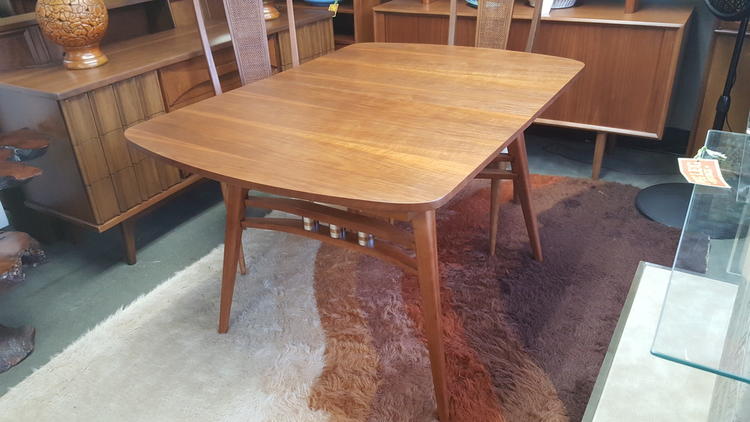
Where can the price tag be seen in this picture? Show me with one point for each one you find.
(334, 7)
(701, 171)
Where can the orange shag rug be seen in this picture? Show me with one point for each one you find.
(524, 339)
(325, 334)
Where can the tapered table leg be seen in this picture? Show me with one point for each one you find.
(429, 284)
(521, 168)
(241, 257)
(232, 236)
(242, 266)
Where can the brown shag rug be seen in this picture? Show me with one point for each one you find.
(324, 334)
(525, 340)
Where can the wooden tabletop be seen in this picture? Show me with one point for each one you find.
(134, 57)
(381, 126)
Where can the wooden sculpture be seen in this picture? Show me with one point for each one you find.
(78, 26)
(17, 249)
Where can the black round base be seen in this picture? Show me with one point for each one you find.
(666, 203)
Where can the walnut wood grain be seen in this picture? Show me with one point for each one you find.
(128, 239)
(23, 144)
(421, 121)
(381, 229)
(13, 174)
(381, 250)
(346, 161)
(61, 184)
(522, 189)
(623, 89)
(116, 179)
(233, 198)
(130, 213)
(425, 233)
(600, 12)
(188, 82)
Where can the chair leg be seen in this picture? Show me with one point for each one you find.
(241, 258)
(495, 191)
(599, 148)
(232, 236)
(242, 266)
(521, 169)
(509, 166)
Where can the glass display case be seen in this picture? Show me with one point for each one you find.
(705, 319)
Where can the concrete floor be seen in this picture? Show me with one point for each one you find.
(83, 284)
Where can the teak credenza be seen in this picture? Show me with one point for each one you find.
(91, 176)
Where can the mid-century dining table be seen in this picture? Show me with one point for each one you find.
(355, 139)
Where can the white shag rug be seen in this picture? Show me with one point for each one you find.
(161, 359)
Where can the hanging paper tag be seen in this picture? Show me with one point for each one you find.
(701, 171)
(334, 7)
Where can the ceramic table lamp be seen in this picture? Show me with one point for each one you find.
(78, 26)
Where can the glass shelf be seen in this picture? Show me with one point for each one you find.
(705, 319)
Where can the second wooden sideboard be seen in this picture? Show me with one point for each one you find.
(91, 176)
(631, 58)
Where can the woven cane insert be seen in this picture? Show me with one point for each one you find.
(248, 30)
(493, 23)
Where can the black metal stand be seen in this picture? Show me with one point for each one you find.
(667, 203)
(722, 105)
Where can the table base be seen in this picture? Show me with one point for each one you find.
(392, 244)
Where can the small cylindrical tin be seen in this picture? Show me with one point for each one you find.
(337, 232)
(365, 239)
(310, 224)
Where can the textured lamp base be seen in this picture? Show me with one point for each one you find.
(87, 57)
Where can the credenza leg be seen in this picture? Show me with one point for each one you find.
(599, 148)
(429, 284)
(127, 228)
(232, 237)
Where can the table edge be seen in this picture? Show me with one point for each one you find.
(361, 203)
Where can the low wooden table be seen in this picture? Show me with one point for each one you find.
(386, 130)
